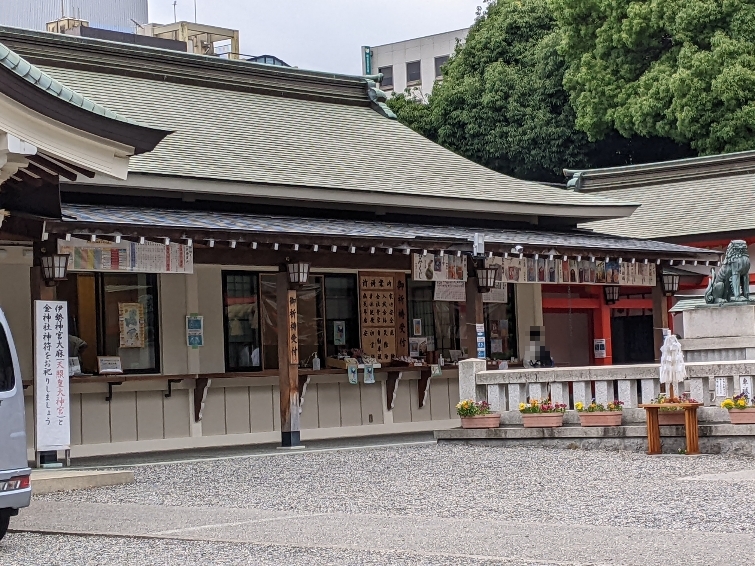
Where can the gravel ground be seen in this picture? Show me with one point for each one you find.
(618, 489)
(54, 550)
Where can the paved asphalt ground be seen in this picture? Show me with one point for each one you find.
(411, 504)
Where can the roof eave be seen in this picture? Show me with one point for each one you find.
(330, 196)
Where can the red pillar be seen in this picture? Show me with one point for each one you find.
(601, 322)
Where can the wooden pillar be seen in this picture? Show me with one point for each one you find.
(601, 319)
(660, 319)
(288, 362)
(474, 315)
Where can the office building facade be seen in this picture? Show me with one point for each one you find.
(117, 15)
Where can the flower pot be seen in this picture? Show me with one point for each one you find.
(671, 418)
(542, 420)
(491, 420)
(600, 418)
(742, 416)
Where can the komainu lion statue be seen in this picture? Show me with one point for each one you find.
(732, 282)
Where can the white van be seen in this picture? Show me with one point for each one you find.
(15, 474)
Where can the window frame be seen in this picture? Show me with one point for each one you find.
(410, 82)
(438, 71)
(99, 300)
(7, 344)
(384, 84)
(224, 286)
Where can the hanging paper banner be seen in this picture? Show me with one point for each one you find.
(149, 257)
(430, 267)
(453, 291)
(53, 402)
(558, 271)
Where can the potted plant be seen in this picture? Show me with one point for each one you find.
(542, 413)
(672, 415)
(740, 410)
(597, 414)
(477, 415)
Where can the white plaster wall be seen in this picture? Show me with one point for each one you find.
(210, 301)
(423, 49)
(15, 300)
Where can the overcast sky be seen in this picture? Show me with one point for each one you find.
(324, 35)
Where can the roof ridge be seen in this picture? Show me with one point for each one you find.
(662, 172)
(103, 56)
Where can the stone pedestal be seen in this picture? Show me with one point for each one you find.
(719, 333)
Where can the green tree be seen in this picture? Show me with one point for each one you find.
(684, 70)
(502, 102)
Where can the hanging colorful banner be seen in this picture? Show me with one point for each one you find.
(430, 267)
(558, 271)
(149, 257)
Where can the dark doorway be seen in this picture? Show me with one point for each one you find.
(632, 339)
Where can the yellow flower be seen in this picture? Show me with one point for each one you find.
(522, 406)
(741, 403)
(579, 405)
(728, 404)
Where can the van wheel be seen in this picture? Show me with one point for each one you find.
(4, 521)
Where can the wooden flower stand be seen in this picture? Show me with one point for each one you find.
(690, 425)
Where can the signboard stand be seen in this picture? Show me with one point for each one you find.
(52, 398)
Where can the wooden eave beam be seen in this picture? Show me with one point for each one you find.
(70, 166)
(53, 167)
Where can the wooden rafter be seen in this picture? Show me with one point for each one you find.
(52, 167)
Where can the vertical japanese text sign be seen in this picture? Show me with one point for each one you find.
(53, 402)
(293, 331)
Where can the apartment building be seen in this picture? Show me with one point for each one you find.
(415, 63)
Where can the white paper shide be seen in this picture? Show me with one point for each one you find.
(53, 403)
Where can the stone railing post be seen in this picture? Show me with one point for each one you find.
(468, 370)
(697, 390)
(497, 397)
(628, 393)
(650, 389)
(538, 391)
(560, 392)
(582, 393)
(516, 395)
(603, 392)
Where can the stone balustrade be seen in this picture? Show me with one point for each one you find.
(631, 384)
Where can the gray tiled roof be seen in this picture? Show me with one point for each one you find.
(231, 135)
(698, 206)
(360, 229)
(21, 67)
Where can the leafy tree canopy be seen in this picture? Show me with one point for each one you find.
(681, 69)
(502, 102)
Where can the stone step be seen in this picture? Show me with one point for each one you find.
(49, 481)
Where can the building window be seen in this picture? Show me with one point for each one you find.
(97, 302)
(439, 62)
(387, 76)
(500, 328)
(242, 323)
(413, 73)
(7, 375)
(439, 319)
(342, 313)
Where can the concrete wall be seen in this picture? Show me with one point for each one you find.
(423, 49)
(15, 300)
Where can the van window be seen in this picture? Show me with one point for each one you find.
(7, 377)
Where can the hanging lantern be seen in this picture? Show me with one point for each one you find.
(54, 268)
(670, 282)
(298, 273)
(486, 277)
(611, 293)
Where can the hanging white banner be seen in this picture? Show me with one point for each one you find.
(53, 402)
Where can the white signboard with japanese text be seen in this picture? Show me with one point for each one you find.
(53, 402)
(149, 257)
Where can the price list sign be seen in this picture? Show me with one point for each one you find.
(53, 403)
(377, 295)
